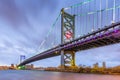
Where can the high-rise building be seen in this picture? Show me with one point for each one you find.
(104, 65)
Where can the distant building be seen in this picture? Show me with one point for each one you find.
(95, 65)
(104, 65)
(12, 66)
(29, 66)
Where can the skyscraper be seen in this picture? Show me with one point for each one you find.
(104, 65)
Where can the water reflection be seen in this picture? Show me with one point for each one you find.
(41, 75)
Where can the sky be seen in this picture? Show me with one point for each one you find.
(24, 25)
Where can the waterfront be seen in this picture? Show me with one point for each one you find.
(44, 75)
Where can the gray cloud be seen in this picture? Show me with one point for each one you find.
(10, 12)
(28, 22)
(21, 17)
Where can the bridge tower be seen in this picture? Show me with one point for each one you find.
(67, 34)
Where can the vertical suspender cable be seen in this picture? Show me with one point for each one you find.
(77, 22)
(118, 14)
(86, 19)
(89, 16)
(114, 12)
(74, 10)
(81, 22)
(106, 12)
(100, 13)
(97, 20)
(93, 17)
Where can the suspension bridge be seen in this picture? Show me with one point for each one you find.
(88, 24)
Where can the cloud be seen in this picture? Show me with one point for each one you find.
(25, 23)
(10, 12)
(109, 54)
(12, 54)
(21, 15)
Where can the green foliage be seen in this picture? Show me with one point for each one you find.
(21, 67)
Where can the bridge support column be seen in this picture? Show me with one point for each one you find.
(67, 59)
(67, 35)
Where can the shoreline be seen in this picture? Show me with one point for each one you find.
(67, 72)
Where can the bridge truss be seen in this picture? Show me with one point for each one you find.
(67, 35)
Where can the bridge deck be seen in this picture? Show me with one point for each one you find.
(105, 36)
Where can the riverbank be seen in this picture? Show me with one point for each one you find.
(4, 68)
(110, 71)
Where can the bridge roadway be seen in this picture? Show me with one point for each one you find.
(101, 37)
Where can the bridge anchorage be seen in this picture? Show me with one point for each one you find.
(67, 35)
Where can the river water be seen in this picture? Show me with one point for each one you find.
(44, 75)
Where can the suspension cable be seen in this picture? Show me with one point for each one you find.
(79, 4)
(49, 32)
(106, 12)
(89, 13)
(114, 10)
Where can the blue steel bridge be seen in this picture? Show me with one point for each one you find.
(96, 21)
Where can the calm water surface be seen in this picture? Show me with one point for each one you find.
(44, 75)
